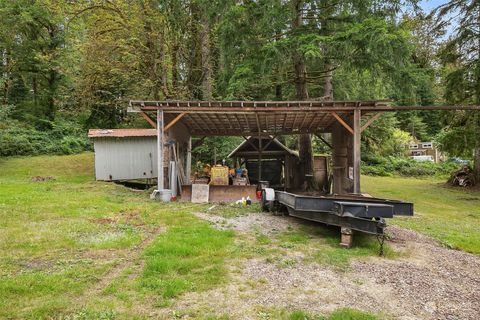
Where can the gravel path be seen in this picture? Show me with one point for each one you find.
(428, 281)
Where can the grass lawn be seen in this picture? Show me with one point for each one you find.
(75, 248)
(60, 237)
(451, 215)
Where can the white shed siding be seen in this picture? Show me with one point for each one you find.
(125, 158)
(135, 157)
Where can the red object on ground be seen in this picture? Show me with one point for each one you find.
(259, 195)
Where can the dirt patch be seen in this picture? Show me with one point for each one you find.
(127, 217)
(130, 258)
(428, 281)
(265, 223)
(42, 178)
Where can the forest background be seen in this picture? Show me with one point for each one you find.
(66, 66)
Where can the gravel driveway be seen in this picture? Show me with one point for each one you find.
(428, 281)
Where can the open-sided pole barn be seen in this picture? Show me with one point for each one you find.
(345, 120)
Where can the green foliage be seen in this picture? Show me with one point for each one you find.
(460, 59)
(64, 137)
(215, 147)
(387, 166)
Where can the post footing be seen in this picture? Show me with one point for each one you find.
(347, 237)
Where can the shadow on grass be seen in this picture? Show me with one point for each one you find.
(321, 244)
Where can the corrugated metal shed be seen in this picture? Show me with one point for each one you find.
(124, 154)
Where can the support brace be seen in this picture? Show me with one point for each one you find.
(371, 120)
(342, 122)
(175, 120)
(149, 120)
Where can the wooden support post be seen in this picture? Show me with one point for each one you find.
(357, 134)
(259, 158)
(160, 149)
(188, 165)
(347, 237)
(175, 120)
(149, 120)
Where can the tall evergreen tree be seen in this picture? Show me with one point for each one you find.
(461, 60)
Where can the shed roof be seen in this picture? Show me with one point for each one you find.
(271, 147)
(121, 133)
(249, 118)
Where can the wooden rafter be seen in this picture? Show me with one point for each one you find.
(250, 143)
(246, 121)
(269, 142)
(314, 117)
(258, 123)
(303, 121)
(284, 121)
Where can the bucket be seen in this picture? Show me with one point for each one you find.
(164, 195)
(263, 184)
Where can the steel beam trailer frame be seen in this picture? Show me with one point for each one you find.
(350, 212)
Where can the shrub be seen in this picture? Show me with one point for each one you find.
(20, 139)
(386, 166)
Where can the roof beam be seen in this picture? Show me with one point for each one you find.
(295, 108)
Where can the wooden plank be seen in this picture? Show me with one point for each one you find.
(175, 120)
(149, 120)
(342, 122)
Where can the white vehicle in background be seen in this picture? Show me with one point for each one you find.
(423, 158)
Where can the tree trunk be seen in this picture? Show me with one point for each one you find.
(6, 76)
(206, 57)
(150, 65)
(52, 84)
(174, 54)
(163, 65)
(304, 140)
(476, 164)
(327, 85)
